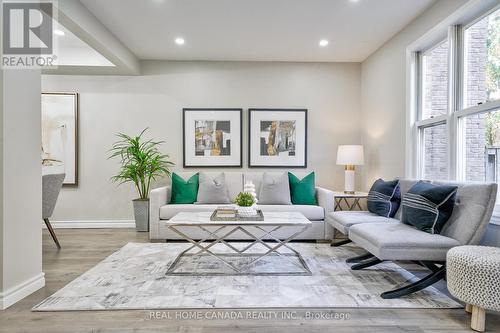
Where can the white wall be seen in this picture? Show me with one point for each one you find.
(110, 104)
(21, 197)
(383, 77)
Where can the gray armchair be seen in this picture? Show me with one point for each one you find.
(397, 241)
(51, 186)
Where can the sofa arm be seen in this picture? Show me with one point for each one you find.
(325, 199)
(157, 197)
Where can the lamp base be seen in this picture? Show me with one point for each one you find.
(349, 179)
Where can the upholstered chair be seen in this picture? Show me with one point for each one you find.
(51, 186)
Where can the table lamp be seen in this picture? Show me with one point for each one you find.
(349, 156)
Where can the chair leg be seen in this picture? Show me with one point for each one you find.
(359, 258)
(468, 308)
(478, 319)
(366, 263)
(52, 233)
(340, 243)
(416, 286)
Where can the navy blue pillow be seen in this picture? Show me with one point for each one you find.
(384, 197)
(428, 207)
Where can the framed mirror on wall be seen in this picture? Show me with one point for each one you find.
(60, 135)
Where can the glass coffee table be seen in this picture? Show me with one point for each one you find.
(264, 248)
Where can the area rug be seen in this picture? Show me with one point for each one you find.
(134, 278)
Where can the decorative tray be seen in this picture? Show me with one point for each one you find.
(237, 217)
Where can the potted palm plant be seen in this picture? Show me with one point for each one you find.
(141, 163)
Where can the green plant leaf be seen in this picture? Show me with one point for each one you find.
(141, 162)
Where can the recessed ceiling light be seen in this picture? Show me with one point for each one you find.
(354, 1)
(323, 42)
(59, 32)
(179, 41)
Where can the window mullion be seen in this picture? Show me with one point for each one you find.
(454, 83)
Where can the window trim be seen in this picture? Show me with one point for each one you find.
(420, 79)
(453, 28)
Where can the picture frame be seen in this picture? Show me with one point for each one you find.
(212, 137)
(59, 113)
(277, 138)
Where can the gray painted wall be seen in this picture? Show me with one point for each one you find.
(110, 104)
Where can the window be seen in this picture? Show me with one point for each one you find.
(435, 152)
(482, 146)
(433, 109)
(456, 124)
(453, 94)
(435, 81)
(482, 60)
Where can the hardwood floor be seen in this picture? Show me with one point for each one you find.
(82, 249)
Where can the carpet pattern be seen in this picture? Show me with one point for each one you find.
(134, 278)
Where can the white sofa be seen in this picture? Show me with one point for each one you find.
(160, 210)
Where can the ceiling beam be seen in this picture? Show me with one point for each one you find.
(81, 22)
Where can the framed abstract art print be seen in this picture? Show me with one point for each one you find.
(277, 138)
(212, 137)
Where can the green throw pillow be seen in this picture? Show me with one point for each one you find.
(303, 192)
(184, 192)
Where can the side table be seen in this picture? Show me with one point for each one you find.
(351, 202)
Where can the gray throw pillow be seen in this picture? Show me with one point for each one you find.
(275, 190)
(212, 190)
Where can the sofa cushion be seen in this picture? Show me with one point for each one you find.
(428, 207)
(168, 211)
(384, 197)
(404, 187)
(256, 177)
(275, 189)
(184, 191)
(398, 241)
(234, 180)
(312, 213)
(472, 212)
(303, 191)
(212, 190)
(343, 220)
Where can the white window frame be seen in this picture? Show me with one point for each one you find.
(452, 29)
(420, 123)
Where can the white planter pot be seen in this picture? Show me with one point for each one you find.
(246, 211)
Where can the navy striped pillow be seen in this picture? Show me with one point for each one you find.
(428, 207)
(384, 197)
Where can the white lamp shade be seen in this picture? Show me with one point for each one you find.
(350, 155)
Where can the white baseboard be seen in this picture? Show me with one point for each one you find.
(17, 293)
(92, 224)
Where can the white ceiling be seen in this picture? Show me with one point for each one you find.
(250, 30)
(72, 51)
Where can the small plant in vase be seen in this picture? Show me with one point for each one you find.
(245, 202)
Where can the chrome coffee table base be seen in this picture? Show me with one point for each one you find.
(205, 247)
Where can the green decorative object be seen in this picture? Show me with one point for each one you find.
(184, 191)
(244, 199)
(303, 191)
(245, 202)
